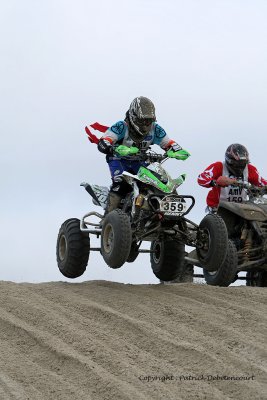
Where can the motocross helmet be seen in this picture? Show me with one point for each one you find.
(236, 159)
(141, 115)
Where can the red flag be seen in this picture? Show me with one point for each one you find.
(99, 127)
(91, 136)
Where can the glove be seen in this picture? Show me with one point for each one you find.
(179, 155)
(224, 181)
(125, 150)
(105, 147)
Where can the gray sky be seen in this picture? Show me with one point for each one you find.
(66, 64)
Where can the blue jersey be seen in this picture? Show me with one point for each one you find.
(119, 134)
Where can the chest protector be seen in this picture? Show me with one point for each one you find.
(146, 142)
(233, 193)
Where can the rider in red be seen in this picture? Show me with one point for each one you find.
(222, 176)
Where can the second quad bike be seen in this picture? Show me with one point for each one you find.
(246, 223)
(153, 211)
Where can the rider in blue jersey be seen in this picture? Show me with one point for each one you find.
(138, 130)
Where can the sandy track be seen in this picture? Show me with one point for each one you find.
(105, 340)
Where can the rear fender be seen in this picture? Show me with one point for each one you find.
(99, 194)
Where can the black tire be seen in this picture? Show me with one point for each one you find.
(73, 249)
(116, 238)
(226, 274)
(167, 259)
(212, 242)
(188, 273)
(133, 253)
(256, 278)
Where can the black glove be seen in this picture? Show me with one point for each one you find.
(105, 147)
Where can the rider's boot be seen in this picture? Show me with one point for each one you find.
(113, 202)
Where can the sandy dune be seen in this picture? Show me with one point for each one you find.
(104, 340)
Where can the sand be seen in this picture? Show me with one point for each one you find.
(105, 340)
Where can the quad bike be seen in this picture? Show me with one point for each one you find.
(246, 223)
(152, 211)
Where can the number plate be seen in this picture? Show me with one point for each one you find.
(175, 206)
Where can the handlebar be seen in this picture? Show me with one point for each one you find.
(252, 190)
(149, 157)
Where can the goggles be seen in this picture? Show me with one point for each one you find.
(237, 163)
(144, 121)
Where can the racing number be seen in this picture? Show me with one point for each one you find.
(173, 206)
(235, 199)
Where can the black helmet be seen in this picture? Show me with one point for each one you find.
(236, 158)
(141, 115)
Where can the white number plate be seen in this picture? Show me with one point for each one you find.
(173, 206)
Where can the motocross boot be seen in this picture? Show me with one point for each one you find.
(113, 202)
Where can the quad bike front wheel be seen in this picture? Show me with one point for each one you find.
(212, 242)
(116, 238)
(168, 263)
(73, 248)
(227, 271)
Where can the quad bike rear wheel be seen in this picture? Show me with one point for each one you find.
(212, 242)
(133, 253)
(226, 273)
(256, 278)
(73, 248)
(116, 238)
(167, 261)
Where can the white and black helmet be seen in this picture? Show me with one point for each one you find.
(141, 115)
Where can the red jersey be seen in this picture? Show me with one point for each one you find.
(217, 193)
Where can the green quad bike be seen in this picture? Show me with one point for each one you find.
(152, 211)
(246, 223)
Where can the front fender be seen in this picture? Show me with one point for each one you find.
(246, 210)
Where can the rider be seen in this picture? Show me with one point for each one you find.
(137, 131)
(222, 176)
